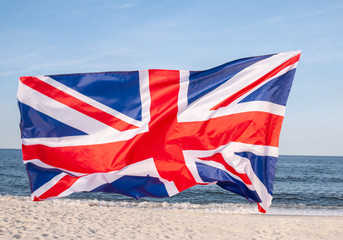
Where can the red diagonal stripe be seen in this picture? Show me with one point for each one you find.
(218, 157)
(76, 104)
(260, 209)
(252, 85)
(62, 185)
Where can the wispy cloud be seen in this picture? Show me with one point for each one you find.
(127, 5)
(56, 65)
(27, 55)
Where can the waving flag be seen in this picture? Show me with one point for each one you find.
(157, 132)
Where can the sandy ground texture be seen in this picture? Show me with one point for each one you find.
(22, 219)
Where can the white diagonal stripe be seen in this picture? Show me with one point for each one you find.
(61, 112)
(88, 100)
(199, 110)
(240, 164)
(99, 133)
(47, 185)
(143, 168)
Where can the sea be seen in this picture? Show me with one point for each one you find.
(304, 185)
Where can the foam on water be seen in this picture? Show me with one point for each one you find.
(230, 208)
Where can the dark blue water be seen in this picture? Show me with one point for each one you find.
(306, 183)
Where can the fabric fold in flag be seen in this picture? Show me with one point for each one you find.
(155, 133)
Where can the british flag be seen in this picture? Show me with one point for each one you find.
(157, 132)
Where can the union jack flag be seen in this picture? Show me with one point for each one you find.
(157, 132)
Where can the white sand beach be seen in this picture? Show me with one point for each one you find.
(23, 219)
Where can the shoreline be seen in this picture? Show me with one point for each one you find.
(23, 219)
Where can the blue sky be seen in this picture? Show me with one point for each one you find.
(54, 37)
